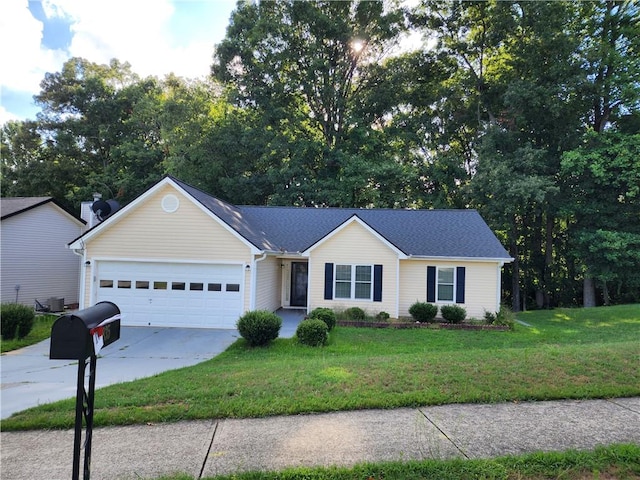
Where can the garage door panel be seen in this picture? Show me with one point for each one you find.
(175, 295)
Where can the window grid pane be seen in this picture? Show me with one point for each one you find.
(343, 273)
(363, 290)
(343, 289)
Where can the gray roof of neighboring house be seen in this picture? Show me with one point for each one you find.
(11, 206)
(424, 233)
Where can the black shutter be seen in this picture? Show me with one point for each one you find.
(431, 284)
(328, 281)
(377, 283)
(460, 274)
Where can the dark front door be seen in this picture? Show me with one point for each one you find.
(299, 280)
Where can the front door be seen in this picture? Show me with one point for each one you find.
(299, 281)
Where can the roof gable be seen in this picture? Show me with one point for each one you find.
(213, 209)
(13, 206)
(351, 220)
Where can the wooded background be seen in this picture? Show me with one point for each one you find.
(526, 111)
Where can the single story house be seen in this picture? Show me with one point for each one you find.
(36, 263)
(179, 257)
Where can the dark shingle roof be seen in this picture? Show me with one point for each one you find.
(425, 233)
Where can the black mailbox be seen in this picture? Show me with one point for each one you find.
(79, 335)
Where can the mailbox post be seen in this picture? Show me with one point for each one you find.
(80, 336)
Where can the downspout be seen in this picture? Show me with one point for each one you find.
(254, 278)
(83, 275)
(499, 286)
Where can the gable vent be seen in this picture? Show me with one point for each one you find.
(170, 203)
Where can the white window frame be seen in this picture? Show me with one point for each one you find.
(454, 285)
(353, 282)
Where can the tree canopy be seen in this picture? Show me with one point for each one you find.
(527, 111)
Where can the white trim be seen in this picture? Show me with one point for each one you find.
(123, 212)
(346, 223)
(461, 259)
(499, 286)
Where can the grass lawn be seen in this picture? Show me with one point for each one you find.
(41, 331)
(564, 353)
(613, 462)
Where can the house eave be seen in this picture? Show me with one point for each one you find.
(500, 260)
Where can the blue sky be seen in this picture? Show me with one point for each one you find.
(155, 36)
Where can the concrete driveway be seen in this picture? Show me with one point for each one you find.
(29, 378)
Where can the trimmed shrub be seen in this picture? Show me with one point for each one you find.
(259, 327)
(453, 313)
(382, 316)
(313, 332)
(423, 312)
(355, 313)
(327, 315)
(16, 320)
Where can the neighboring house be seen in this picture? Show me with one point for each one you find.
(36, 263)
(177, 256)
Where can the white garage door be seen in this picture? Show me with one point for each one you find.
(172, 294)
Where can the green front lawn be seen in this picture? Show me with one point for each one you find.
(565, 353)
(41, 331)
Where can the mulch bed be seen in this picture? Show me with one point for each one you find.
(448, 326)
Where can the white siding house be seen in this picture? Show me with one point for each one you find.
(35, 262)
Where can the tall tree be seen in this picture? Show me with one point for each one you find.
(102, 117)
(303, 67)
(602, 180)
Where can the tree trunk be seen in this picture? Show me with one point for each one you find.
(605, 294)
(548, 262)
(515, 277)
(589, 292)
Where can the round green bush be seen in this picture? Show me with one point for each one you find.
(355, 313)
(453, 313)
(423, 312)
(259, 327)
(326, 315)
(313, 332)
(16, 320)
(383, 316)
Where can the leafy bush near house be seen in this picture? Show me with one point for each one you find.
(313, 332)
(453, 313)
(355, 313)
(16, 320)
(259, 327)
(382, 316)
(505, 317)
(423, 312)
(327, 315)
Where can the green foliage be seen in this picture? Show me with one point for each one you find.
(382, 316)
(423, 312)
(327, 315)
(355, 313)
(259, 327)
(505, 317)
(313, 332)
(453, 313)
(16, 320)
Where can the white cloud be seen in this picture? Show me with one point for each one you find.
(135, 31)
(24, 62)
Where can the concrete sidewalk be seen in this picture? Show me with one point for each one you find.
(208, 448)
